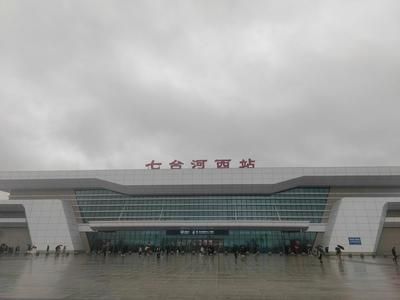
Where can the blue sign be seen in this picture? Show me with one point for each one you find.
(354, 241)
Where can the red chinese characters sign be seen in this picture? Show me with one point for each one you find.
(222, 163)
(153, 165)
(176, 164)
(201, 164)
(247, 163)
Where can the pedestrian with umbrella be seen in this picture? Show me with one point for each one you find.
(339, 249)
(58, 249)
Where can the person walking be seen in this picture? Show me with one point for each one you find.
(104, 250)
(338, 252)
(394, 253)
(319, 252)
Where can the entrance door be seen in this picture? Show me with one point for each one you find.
(217, 245)
(193, 244)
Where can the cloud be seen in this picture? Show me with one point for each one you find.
(116, 84)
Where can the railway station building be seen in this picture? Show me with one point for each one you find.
(262, 209)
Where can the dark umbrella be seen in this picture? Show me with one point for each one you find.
(340, 246)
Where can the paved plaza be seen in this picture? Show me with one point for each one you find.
(197, 277)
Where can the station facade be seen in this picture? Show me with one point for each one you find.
(260, 209)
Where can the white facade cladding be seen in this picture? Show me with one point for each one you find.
(196, 176)
(361, 217)
(349, 207)
(50, 223)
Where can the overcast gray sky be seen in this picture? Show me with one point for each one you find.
(114, 84)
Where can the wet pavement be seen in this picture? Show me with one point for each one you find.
(197, 277)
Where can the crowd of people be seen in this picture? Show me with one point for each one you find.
(101, 247)
(147, 250)
(30, 249)
(238, 251)
(107, 248)
(6, 249)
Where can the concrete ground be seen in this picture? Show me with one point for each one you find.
(197, 277)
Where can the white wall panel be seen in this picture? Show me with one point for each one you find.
(357, 217)
(50, 222)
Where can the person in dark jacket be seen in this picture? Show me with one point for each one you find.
(394, 253)
(320, 252)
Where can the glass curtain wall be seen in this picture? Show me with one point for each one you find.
(299, 204)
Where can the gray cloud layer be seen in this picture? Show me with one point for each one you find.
(114, 84)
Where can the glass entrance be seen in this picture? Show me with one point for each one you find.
(264, 241)
(193, 244)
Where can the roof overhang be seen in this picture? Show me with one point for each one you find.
(10, 185)
(162, 225)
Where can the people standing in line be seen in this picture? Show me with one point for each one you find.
(394, 253)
